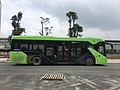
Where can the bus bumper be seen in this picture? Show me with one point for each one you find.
(18, 57)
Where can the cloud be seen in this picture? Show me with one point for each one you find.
(95, 16)
(92, 14)
(5, 30)
(109, 35)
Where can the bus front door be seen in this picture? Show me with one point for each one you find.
(63, 54)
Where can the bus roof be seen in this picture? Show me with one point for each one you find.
(88, 39)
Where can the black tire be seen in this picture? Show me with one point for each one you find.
(89, 61)
(36, 61)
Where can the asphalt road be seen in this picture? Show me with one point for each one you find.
(76, 77)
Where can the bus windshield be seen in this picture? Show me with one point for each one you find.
(101, 48)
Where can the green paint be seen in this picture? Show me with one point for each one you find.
(99, 58)
(89, 39)
(18, 57)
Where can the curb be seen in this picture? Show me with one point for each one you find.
(4, 60)
(113, 60)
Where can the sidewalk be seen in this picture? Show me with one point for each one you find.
(109, 60)
(4, 60)
(113, 60)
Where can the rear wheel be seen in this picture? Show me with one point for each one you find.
(89, 61)
(36, 61)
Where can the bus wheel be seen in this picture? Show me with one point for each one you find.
(36, 61)
(89, 61)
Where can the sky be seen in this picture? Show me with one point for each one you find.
(99, 18)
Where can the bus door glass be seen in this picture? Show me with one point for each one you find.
(76, 51)
(50, 50)
(60, 53)
(66, 53)
(63, 53)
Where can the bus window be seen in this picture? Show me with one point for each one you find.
(49, 50)
(30, 47)
(24, 46)
(91, 46)
(41, 48)
(78, 50)
(16, 46)
(101, 48)
(35, 47)
(38, 47)
(60, 49)
(75, 50)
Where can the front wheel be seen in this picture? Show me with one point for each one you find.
(89, 61)
(36, 61)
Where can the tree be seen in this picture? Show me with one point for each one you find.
(69, 18)
(77, 29)
(19, 16)
(48, 30)
(72, 16)
(16, 24)
(45, 21)
(74, 28)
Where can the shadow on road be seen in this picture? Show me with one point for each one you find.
(58, 65)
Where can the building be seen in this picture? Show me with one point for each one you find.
(115, 51)
(116, 46)
(4, 44)
(4, 47)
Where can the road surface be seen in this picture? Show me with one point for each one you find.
(76, 77)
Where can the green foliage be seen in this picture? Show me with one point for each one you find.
(45, 21)
(16, 24)
(74, 29)
(18, 32)
(48, 30)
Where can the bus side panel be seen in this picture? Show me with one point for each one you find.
(18, 57)
(99, 58)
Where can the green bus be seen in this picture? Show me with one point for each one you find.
(38, 50)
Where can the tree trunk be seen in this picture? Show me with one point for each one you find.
(73, 28)
(42, 29)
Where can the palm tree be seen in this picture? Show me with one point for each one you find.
(16, 24)
(69, 17)
(43, 21)
(19, 16)
(48, 30)
(14, 19)
(72, 16)
(76, 30)
(18, 32)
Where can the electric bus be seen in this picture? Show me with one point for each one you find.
(39, 50)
